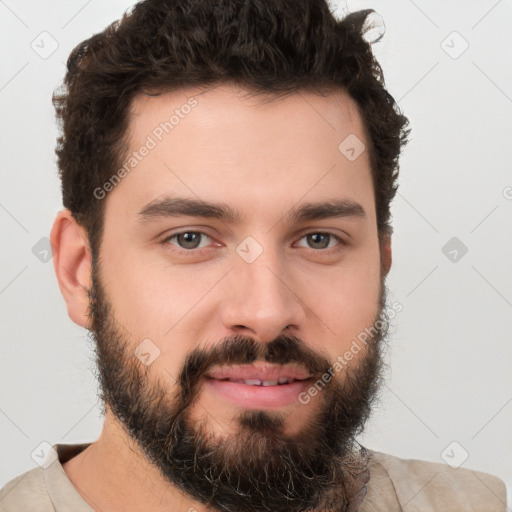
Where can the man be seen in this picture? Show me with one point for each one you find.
(227, 171)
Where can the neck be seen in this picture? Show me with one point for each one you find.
(112, 475)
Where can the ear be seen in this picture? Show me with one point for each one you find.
(385, 254)
(72, 262)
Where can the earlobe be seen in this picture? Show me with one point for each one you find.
(72, 263)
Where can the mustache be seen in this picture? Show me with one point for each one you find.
(243, 350)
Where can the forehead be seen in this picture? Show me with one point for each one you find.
(225, 144)
(332, 108)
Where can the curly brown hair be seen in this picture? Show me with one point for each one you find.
(266, 46)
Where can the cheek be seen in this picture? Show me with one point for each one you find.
(346, 312)
(157, 300)
(345, 301)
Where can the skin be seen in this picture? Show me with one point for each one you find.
(261, 159)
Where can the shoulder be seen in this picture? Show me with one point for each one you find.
(26, 492)
(424, 486)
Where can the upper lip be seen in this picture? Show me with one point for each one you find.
(258, 370)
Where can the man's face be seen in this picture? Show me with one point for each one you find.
(214, 320)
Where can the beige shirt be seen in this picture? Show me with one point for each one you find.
(395, 485)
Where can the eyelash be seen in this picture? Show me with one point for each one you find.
(201, 250)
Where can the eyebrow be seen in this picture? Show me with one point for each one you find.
(180, 206)
(336, 208)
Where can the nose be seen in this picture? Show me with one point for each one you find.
(261, 301)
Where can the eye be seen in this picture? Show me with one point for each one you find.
(321, 240)
(189, 240)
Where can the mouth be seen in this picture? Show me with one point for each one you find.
(259, 382)
(260, 373)
(258, 386)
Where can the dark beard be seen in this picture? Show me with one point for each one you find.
(258, 469)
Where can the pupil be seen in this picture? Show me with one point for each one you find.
(189, 240)
(319, 239)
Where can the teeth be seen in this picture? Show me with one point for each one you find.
(259, 382)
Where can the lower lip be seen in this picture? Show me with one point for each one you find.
(257, 397)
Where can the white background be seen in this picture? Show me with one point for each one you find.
(451, 350)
